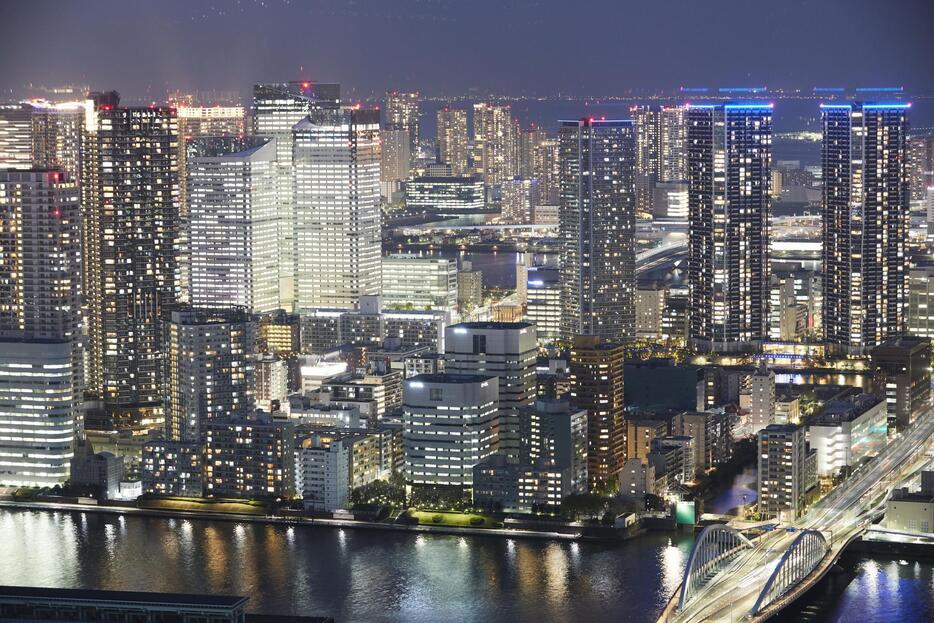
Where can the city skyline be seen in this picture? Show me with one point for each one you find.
(187, 46)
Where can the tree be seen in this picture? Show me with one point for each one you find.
(377, 493)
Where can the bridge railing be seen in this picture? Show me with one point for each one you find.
(714, 548)
(799, 560)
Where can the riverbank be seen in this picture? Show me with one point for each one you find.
(584, 534)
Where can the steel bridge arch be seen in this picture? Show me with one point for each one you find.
(801, 558)
(715, 545)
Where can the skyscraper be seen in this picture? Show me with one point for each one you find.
(337, 223)
(496, 141)
(276, 110)
(596, 370)
(395, 161)
(921, 163)
(231, 229)
(729, 178)
(402, 114)
(452, 139)
(40, 351)
(42, 134)
(130, 203)
(15, 136)
(865, 222)
(208, 370)
(597, 228)
(507, 350)
(660, 150)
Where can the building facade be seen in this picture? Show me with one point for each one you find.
(865, 222)
(336, 164)
(729, 164)
(597, 228)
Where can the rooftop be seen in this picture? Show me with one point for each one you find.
(845, 409)
(450, 378)
(69, 594)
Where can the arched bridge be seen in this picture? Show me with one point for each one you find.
(799, 560)
(713, 550)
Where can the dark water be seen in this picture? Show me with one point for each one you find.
(869, 589)
(370, 576)
(352, 575)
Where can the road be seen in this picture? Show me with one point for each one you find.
(841, 515)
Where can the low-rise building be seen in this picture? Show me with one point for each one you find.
(902, 376)
(172, 468)
(102, 470)
(846, 431)
(910, 512)
(330, 464)
(636, 480)
(249, 457)
(672, 456)
(410, 281)
(712, 434)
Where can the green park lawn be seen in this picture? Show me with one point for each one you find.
(462, 520)
(204, 505)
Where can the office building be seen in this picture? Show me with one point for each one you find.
(40, 349)
(496, 142)
(277, 107)
(130, 203)
(597, 229)
(16, 136)
(543, 302)
(249, 457)
(865, 223)
(410, 281)
(231, 227)
(596, 375)
(450, 197)
(199, 122)
(846, 431)
(782, 471)
(208, 369)
(902, 378)
(337, 208)
(452, 139)
(172, 468)
(449, 425)
(762, 390)
(402, 114)
(729, 176)
(507, 350)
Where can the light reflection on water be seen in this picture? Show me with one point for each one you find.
(376, 576)
(353, 575)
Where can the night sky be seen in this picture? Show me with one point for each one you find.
(445, 47)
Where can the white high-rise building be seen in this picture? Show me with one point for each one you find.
(336, 162)
(762, 412)
(233, 241)
(419, 282)
(276, 110)
(506, 349)
(449, 425)
(40, 352)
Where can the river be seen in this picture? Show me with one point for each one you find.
(375, 576)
